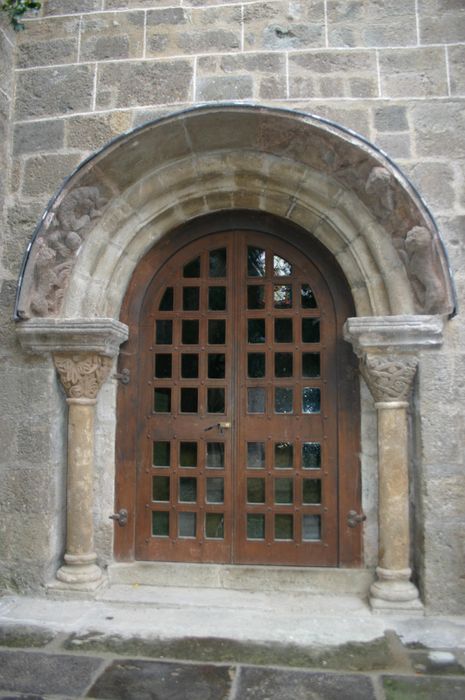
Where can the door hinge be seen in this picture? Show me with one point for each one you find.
(124, 376)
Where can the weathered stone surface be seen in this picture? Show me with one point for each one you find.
(391, 118)
(441, 21)
(52, 91)
(130, 680)
(333, 74)
(456, 63)
(395, 145)
(47, 42)
(6, 62)
(435, 181)
(267, 70)
(348, 115)
(421, 688)
(43, 174)
(93, 132)
(145, 83)
(416, 72)
(270, 684)
(38, 136)
(280, 26)
(361, 23)
(143, 4)
(46, 673)
(176, 31)
(112, 35)
(439, 128)
(67, 7)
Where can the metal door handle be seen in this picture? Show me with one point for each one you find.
(354, 518)
(121, 517)
(220, 426)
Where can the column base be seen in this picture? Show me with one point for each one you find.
(79, 573)
(394, 592)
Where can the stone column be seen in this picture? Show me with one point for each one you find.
(81, 376)
(83, 352)
(388, 348)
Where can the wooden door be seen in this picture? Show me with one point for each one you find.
(237, 411)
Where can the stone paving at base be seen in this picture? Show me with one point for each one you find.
(38, 664)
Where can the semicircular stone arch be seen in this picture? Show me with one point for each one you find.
(141, 186)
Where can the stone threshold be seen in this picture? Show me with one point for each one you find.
(315, 580)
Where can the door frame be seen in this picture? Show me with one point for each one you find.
(349, 474)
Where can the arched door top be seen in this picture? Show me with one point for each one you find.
(302, 168)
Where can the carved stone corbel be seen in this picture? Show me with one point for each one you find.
(389, 377)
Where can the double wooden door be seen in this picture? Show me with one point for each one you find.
(237, 407)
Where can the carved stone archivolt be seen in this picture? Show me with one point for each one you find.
(82, 374)
(389, 377)
(57, 248)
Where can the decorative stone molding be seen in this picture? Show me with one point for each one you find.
(101, 336)
(83, 374)
(389, 377)
(393, 335)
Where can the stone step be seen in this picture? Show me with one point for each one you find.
(243, 577)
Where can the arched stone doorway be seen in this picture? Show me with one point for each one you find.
(221, 158)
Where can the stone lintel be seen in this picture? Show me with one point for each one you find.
(391, 335)
(72, 335)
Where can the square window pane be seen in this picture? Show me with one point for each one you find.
(216, 365)
(161, 454)
(216, 298)
(281, 267)
(311, 527)
(311, 494)
(255, 526)
(215, 490)
(217, 332)
(256, 330)
(190, 332)
(283, 526)
(189, 400)
(283, 491)
(307, 297)
(163, 366)
(256, 455)
(162, 400)
(166, 303)
(160, 523)
(214, 525)
(256, 258)
(215, 401)
(311, 364)
(310, 400)
(283, 364)
(311, 455)
(282, 296)
(256, 365)
(283, 399)
(255, 296)
(256, 400)
(283, 455)
(187, 489)
(161, 488)
(283, 330)
(189, 366)
(187, 524)
(310, 330)
(190, 298)
(188, 454)
(255, 490)
(217, 263)
(192, 269)
(215, 455)
(164, 332)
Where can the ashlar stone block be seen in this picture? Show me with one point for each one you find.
(439, 128)
(43, 174)
(38, 136)
(48, 41)
(52, 91)
(260, 75)
(441, 21)
(284, 25)
(415, 72)
(93, 132)
(361, 23)
(70, 7)
(112, 35)
(333, 74)
(144, 83)
(456, 69)
(176, 31)
(391, 118)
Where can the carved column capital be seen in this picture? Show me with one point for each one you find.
(389, 377)
(82, 374)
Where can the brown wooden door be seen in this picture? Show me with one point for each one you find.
(241, 406)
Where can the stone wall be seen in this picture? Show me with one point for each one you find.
(87, 71)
